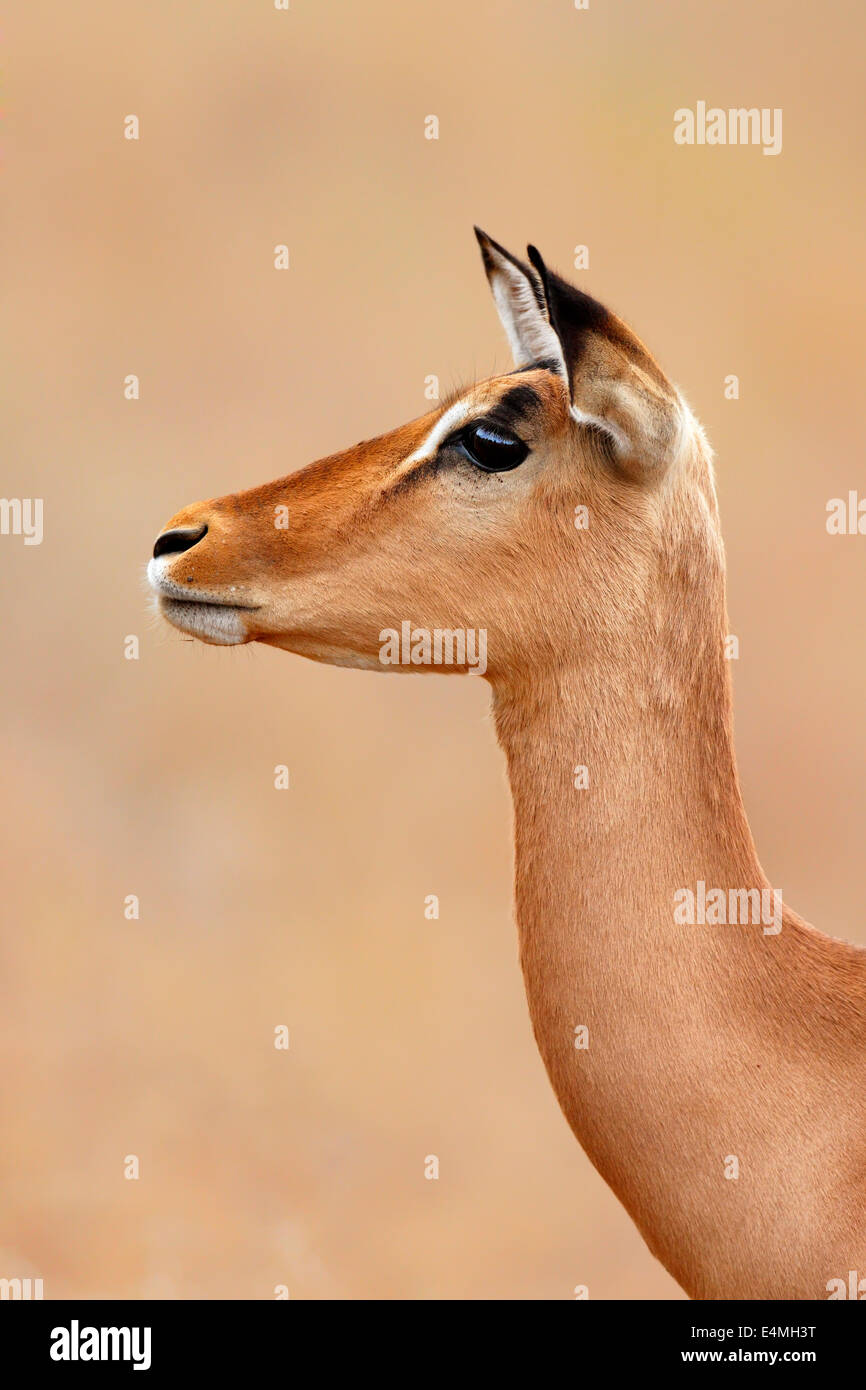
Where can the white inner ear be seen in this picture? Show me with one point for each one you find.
(529, 333)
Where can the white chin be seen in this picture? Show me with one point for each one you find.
(209, 622)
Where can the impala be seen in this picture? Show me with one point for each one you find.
(715, 1073)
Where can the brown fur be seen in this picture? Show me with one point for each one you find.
(606, 650)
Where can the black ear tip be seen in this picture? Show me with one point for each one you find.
(535, 259)
(486, 243)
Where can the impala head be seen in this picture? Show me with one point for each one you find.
(535, 507)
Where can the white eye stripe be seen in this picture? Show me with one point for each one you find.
(444, 426)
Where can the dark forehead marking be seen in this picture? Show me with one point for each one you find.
(544, 364)
(514, 406)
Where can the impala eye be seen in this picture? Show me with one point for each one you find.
(491, 448)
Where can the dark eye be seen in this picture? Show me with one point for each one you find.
(491, 448)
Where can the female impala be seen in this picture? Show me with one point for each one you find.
(715, 1074)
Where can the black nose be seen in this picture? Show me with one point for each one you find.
(180, 539)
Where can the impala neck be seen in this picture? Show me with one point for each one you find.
(661, 810)
(679, 1018)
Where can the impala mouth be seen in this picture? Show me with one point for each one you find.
(221, 624)
(209, 617)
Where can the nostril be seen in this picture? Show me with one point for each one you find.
(180, 539)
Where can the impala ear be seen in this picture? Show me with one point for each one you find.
(522, 304)
(615, 384)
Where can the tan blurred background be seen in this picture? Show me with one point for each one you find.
(155, 776)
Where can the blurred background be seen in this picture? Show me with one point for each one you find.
(154, 776)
